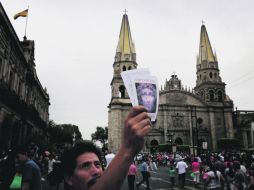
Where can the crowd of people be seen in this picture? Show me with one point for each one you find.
(231, 171)
(224, 170)
(83, 166)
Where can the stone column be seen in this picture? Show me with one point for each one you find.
(212, 128)
(229, 124)
(190, 125)
(2, 117)
(251, 133)
(245, 139)
(165, 124)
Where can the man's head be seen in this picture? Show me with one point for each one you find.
(22, 154)
(82, 165)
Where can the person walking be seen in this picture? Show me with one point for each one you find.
(195, 166)
(213, 179)
(145, 174)
(109, 157)
(131, 176)
(229, 176)
(181, 167)
(240, 177)
(172, 175)
(31, 173)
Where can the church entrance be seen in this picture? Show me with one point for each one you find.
(178, 141)
(153, 145)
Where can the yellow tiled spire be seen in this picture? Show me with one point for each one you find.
(205, 48)
(125, 49)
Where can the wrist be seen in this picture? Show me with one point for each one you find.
(127, 153)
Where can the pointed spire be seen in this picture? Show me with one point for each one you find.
(205, 48)
(215, 56)
(125, 49)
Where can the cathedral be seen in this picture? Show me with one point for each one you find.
(198, 117)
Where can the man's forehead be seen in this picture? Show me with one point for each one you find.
(87, 157)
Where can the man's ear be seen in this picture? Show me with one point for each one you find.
(68, 179)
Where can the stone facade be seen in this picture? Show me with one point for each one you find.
(244, 127)
(24, 103)
(185, 116)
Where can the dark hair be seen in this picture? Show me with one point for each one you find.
(230, 170)
(22, 149)
(236, 166)
(70, 155)
(213, 168)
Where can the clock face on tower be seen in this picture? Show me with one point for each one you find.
(175, 85)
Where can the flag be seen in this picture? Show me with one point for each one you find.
(22, 14)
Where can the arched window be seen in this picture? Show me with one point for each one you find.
(129, 68)
(122, 91)
(178, 141)
(219, 96)
(211, 95)
(154, 143)
(124, 68)
(211, 75)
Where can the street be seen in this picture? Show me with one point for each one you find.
(160, 180)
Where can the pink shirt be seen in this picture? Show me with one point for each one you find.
(195, 166)
(132, 169)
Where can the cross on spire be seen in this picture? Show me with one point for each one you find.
(203, 22)
(125, 11)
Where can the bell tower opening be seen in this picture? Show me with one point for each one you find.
(122, 91)
(211, 95)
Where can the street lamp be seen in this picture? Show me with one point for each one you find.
(194, 124)
(170, 138)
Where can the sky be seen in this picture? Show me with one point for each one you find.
(75, 45)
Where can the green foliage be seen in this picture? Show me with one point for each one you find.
(101, 134)
(168, 148)
(228, 144)
(153, 149)
(183, 148)
(164, 148)
(63, 134)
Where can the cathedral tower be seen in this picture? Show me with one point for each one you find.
(211, 89)
(208, 84)
(125, 59)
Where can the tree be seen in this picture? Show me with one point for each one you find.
(101, 134)
(61, 134)
(71, 132)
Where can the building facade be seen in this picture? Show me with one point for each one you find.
(244, 127)
(24, 103)
(194, 117)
